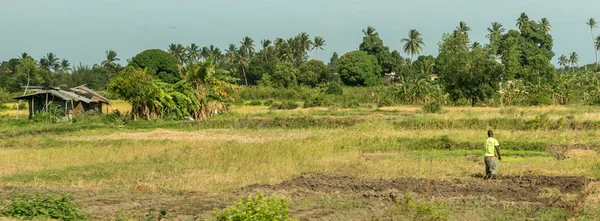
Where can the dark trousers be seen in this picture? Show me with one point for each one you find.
(491, 168)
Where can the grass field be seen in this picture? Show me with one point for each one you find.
(332, 164)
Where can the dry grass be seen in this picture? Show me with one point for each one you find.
(223, 160)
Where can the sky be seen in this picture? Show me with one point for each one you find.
(82, 30)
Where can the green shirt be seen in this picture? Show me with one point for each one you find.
(490, 146)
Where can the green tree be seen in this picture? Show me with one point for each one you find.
(423, 66)
(259, 65)
(370, 31)
(413, 44)
(192, 53)
(463, 29)
(358, 68)
(312, 72)
(467, 73)
(27, 72)
(563, 61)
(373, 45)
(266, 45)
(111, 59)
(522, 21)
(65, 66)
(495, 36)
(138, 88)
(158, 63)
(545, 25)
(573, 60)
(318, 43)
(50, 61)
(177, 51)
(284, 75)
(593, 24)
(511, 51)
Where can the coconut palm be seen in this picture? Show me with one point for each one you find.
(495, 31)
(370, 31)
(463, 28)
(65, 65)
(266, 44)
(178, 51)
(563, 61)
(204, 53)
(50, 61)
(593, 24)
(247, 44)
(413, 44)
(318, 43)
(24, 55)
(192, 53)
(545, 25)
(231, 54)
(304, 42)
(522, 20)
(111, 58)
(573, 60)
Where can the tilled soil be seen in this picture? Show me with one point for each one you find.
(374, 194)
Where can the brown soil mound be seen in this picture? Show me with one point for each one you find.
(510, 188)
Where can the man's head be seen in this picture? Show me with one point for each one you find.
(490, 133)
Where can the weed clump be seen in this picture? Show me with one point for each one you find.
(432, 108)
(48, 205)
(256, 207)
(286, 105)
(268, 102)
(334, 88)
(255, 103)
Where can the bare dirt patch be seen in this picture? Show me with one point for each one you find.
(366, 196)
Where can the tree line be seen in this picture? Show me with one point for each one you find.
(463, 70)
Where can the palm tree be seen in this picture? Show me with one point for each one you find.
(204, 53)
(563, 61)
(231, 53)
(266, 43)
(65, 65)
(111, 58)
(318, 43)
(413, 44)
(593, 24)
(495, 31)
(50, 61)
(546, 27)
(522, 20)
(24, 55)
(463, 28)
(574, 60)
(193, 53)
(304, 42)
(247, 44)
(178, 51)
(370, 31)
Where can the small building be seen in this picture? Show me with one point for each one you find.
(77, 100)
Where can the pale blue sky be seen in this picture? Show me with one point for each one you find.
(81, 30)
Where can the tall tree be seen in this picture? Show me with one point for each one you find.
(370, 31)
(111, 58)
(495, 35)
(245, 54)
(65, 66)
(266, 44)
(413, 44)
(318, 43)
(563, 61)
(545, 25)
(192, 53)
(247, 44)
(463, 28)
(597, 43)
(178, 51)
(574, 60)
(522, 20)
(204, 53)
(50, 61)
(593, 24)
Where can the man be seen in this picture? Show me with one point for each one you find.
(492, 149)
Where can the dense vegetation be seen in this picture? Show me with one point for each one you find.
(513, 68)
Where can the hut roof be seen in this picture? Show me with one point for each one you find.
(81, 93)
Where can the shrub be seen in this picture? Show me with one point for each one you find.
(286, 105)
(54, 114)
(20, 105)
(350, 103)
(386, 102)
(255, 103)
(47, 205)
(268, 102)
(255, 208)
(334, 88)
(411, 209)
(433, 107)
(316, 101)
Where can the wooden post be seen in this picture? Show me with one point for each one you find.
(46, 106)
